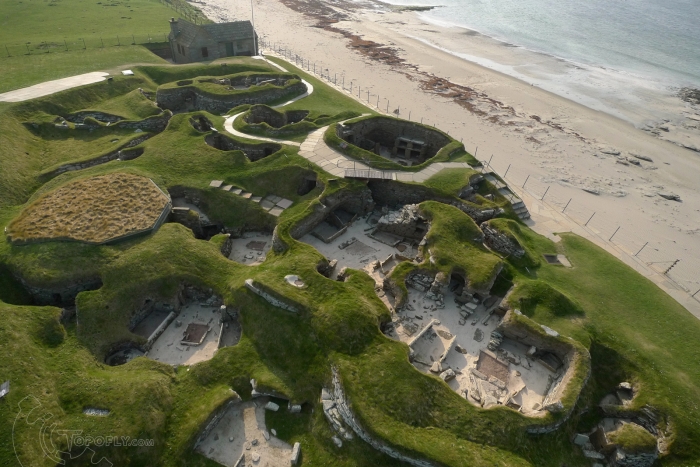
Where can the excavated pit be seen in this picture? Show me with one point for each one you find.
(254, 152)
(406, 143)
(264, 114)
(201, 123)
(455, 341)
(251, 248)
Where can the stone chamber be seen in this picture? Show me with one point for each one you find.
(404, 142)
(254, 152)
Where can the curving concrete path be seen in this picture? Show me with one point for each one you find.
(314, 149)
(228, 126)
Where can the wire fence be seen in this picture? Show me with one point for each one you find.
(66, 45)
(351, 85)
(657, 253)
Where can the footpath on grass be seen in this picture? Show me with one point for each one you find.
(51, 87)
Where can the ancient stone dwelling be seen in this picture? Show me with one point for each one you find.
(193, 43)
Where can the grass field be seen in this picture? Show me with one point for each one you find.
(634, 331)
(60, 38)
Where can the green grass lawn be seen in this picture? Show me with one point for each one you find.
(634, 331)
(60, 38)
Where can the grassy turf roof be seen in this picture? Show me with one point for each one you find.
(92, 210)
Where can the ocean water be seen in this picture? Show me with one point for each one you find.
(628, 46)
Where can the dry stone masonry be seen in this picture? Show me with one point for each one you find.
(337, 407)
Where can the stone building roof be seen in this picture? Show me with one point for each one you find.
(216, 32)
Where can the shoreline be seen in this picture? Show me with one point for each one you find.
(536, 136)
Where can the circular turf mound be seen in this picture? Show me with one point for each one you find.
(93, 210)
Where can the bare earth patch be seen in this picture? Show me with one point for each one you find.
(93, 210)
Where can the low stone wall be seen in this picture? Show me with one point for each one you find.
(263, 114)
(61, 294)
(501, 242)
(227, 246)
(189, 219)
(79, 117)
(154, 124)
(355, 202)
(349, 418)
(191, 98)
(215, 418)
(406, 222)
(161, 328)
(270, 296)
(253, 152)
(393, 193)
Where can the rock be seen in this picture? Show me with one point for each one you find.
(555, 407)
(625, 386)
(644, 158)
(272, 406)
(294, 408)
(296, 451)
(669, 196)
(230, 440)
(255, 456)
(274, 432)
(325, 395)
(610, 151)
(254, 442)
(327, 405)
(337, 441)
(447, 375)
(593, 455)
(591, 190)
(581, 440)
(266, 435)
(436, 368)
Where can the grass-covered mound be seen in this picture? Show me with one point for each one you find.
(205, 93)
(630, 326)
(92, 210)
(633, 438)
(265, 121)
(454, 244)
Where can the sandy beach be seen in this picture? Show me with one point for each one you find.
(554, 146)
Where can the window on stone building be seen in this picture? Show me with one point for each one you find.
(205, 52)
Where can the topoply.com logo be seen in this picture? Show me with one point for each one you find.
(47, 435)
(100, 441)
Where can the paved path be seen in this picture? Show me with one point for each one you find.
(315, 150)
(51, 87)
(228, 126)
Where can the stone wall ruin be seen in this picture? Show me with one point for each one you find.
(188, 98)
(263, 114)
(254, 152)
(399, 138)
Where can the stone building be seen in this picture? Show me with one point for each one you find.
(193, 43)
